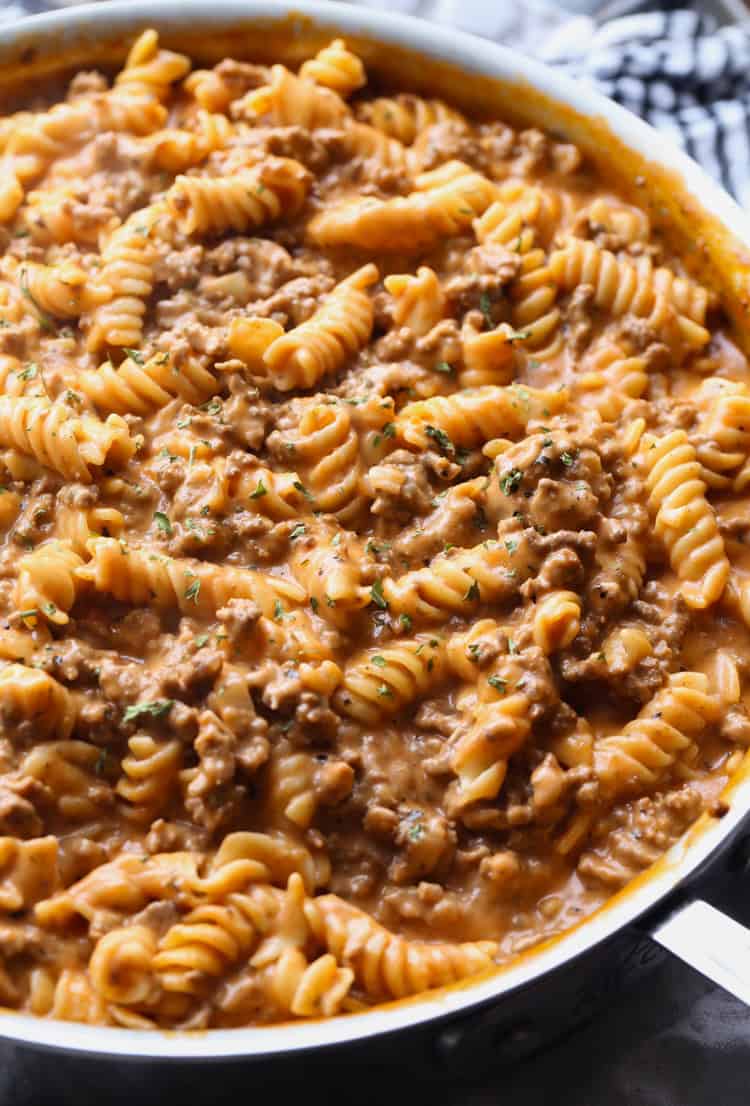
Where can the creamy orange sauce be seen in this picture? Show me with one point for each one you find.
(373, 582)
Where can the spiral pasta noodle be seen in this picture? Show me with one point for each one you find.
(683, 518)
(445, 202)
(47, 582)
(31, 696)
(140, 576)
(336, 68)
(385, 965)
(454, 581)
(665, 729)
(480, 756)
(141, 384)
(382, 683)
(404, 116)
(244, 200)
(419, 302)
(149, 772)
(470, 417)
(319, 346)
(74, 447)
(129, 256)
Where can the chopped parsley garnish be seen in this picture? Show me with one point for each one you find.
(473, 592)
(385, 692)
(498, 684)
(201, 640)
(163, 522)
(443, 367)
(314, 604)
(511, 546)
(301, 488)
(405, 621)
(134, 355)
(512, 647)
(441, 438)
(29, 372)
(416, 831)
(193, 590)
(50, 609)
(212, 407)
(510, 482)
(260, 490)
(278, 610)
(377, 597)
(567, 458)
(379, 660)
(298, 531)
(157, 708)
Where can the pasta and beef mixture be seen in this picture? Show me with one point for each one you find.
(373, 598)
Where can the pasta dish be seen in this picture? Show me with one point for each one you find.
(373, 504)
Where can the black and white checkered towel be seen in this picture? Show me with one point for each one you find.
(682, 72)
(685, 75)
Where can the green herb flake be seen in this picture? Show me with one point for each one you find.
(156, 708)
(416, 832)
(193, 591)
(511, 546)
(377, 597)
(134, 355)
(498, 684)
(441, 438)
(260, 490)
(444, 367)
(201, 640)
(163, 523)
(405, 621)
(473, 593)
(512, 647)
(567, 458)
(29, 372)
(298, 531)
(510, 482)
(379, 660)
(384, 691)
(313, 603)
(301, 488)
(50, 609)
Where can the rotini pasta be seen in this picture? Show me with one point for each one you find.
(683, 518)
(371, 486)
